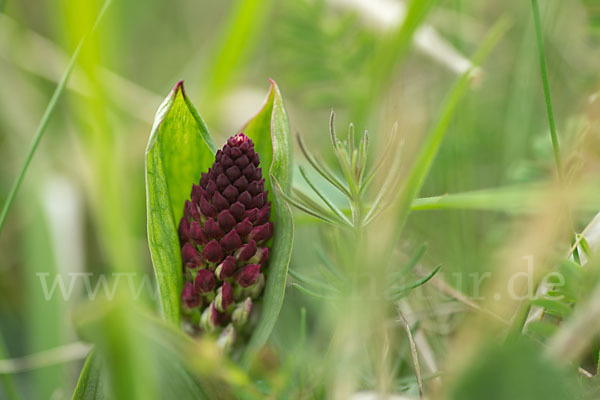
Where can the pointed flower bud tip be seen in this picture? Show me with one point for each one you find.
(224, 297)
(240, 315)
(227, 338)
(247, 275)
(205, 281)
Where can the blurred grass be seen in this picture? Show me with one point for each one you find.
(39, 256)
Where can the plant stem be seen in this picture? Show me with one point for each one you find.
(413, 353)
(46, 117)
(551, 122)
(546, 84)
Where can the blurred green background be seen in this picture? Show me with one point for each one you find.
(82, 205)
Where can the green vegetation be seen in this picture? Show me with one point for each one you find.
(446, 247)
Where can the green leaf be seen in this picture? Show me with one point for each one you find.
(90, 384)
(269, 129)
(179, 150)
(553, 307)
(399, 292)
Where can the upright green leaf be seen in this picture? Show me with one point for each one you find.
(90, 385)
(179, 150)
(269, 129)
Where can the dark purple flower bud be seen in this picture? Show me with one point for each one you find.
(226, 220)
(256, 187)
(241, 183)
(231, 241)
(211, 187)
(246, 199)
(224, 297)
(252, 214)
(226, 161)
(242, 161)
(192, 210)
(237, 210)
(207, 209)
(205, 281)
(231, 193)
(249, 171)
(244, 228)
(184, 230)
(260, 200)
(218, 170)
(235, 152)
(247, 251)
(264, 256)
(262, 233)
(213, 251)
(257, 173)
(197, 233)
(189, 297)
(263, 215)
(222, 181)
(247, 275)
(233, 173)
(212, 229)
(203, 180)
(196, 194)
(189, 253)
(219, 201)
(246, 145)
(227, 268)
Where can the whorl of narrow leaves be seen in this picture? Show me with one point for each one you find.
(223, 235)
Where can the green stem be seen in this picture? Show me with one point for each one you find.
(546, 84)
(46, 118)
(553, 134)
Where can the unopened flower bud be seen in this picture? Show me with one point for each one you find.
(189, 253)
(247, 251)
(262, 233)
(226, 269)
(224, 297)
(189, 297)
(205, 281)
(247, 275)
(227, 338)
(256, 288)
(207, 322)
(213, 251)
(239, 317)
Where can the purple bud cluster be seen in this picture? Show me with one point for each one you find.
(223, 236)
